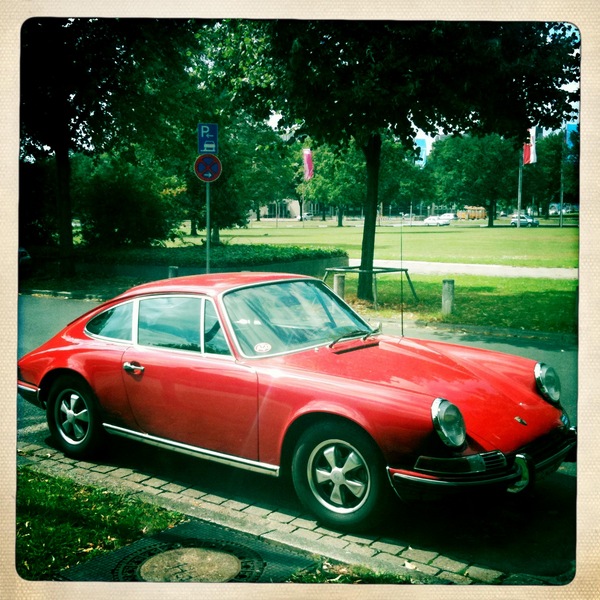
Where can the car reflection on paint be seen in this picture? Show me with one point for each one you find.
(275, 374)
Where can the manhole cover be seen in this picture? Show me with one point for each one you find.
(208, 561)
(194, 551)
(191, 564)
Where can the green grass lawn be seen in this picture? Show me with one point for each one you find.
(61, 523)
(548, 305)
(537, 247)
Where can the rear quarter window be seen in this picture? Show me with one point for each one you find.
(114, 323)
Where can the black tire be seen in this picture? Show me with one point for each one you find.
(73, 417)
(339, 476)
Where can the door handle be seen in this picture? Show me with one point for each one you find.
(133, 368)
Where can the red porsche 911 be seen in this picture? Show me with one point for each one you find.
(276, 374)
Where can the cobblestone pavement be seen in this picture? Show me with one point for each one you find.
(291, 528)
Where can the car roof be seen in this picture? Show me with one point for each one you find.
(210, 285)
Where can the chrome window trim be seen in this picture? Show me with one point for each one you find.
(105, 338)
(134, 341)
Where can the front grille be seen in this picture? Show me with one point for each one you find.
(495, 462)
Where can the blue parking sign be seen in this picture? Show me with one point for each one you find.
(208, 138)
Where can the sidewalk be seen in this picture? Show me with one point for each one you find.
(431, 268)
(287, 529)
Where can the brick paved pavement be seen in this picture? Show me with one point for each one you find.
(272, 524)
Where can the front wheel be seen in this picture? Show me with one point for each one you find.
(73, 417)
(339, 475)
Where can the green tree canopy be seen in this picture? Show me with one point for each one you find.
(357, 79)
(475, 171)
(336, 181)
(102, 82)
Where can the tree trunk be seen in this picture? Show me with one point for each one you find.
(340, 216)
(215, 237)
(491, 213)
(65, 229)
(372, 151)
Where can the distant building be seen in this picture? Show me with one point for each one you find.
(421, 144)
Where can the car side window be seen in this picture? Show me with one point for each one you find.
(170, 322)
(113, 323)
(214, 337)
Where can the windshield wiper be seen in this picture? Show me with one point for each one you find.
(351, 334)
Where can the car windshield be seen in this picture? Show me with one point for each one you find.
(287, 316)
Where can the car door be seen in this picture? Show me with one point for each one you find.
(183, 382)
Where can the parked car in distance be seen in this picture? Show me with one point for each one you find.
(437, 221)
(305, 217)
(275, 374)
(524, 221)
(449, 217)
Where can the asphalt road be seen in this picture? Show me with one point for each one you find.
(533, 534)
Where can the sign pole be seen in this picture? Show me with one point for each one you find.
(207, 227)
(208, 169)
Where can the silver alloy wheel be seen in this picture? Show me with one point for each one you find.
(72, 416)
(338, 476)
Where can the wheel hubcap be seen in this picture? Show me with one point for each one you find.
(72, 417)
(338, 476)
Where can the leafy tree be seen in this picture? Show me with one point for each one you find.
(571, 169)
(100, 83)
(358, 79)
(403, 184)
(336, 181)
(556, 168)
(479, 171)
(119, 204)
(37, 214)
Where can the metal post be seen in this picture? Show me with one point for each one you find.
(447, 296)
(339, 284)
(207, 227)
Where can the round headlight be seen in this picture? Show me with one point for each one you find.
(448, 422)
(547, 382)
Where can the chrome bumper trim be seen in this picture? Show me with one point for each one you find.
(226, 459)
(30, 392)
(454, 484)
(538, 467)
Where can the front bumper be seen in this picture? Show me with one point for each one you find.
(513, 472)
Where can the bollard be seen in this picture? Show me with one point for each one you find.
(173, 272)
(447, 296)
(339, 285)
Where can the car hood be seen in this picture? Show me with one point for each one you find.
(495, 392)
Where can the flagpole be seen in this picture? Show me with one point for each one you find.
(562, 159)
(520, 190)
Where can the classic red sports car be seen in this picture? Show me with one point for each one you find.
(276, 374)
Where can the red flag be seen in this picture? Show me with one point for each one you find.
(529, 154)
(308, 164)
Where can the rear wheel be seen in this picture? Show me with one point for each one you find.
(339, 476)
(73, 417)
